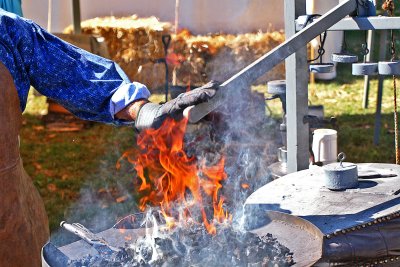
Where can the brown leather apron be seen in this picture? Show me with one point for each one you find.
(23, 219)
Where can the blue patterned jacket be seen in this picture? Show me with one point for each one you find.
(91, 87)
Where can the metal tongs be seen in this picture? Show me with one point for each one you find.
(97, 242)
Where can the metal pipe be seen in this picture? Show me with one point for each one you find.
(370, 42)
(252, 72)
(378, 112)
(76, 15)
(296, 67)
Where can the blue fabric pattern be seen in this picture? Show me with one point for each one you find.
(91, 87)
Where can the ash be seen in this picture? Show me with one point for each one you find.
(193, 246)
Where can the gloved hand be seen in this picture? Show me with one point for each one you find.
(152, 115)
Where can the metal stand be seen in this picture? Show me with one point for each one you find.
(294, 51)
(370, 42)
(378, 112)
(297, 94)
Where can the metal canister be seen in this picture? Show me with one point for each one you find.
(341, 175)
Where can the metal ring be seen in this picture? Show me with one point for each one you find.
(365, 50)
(341, 157)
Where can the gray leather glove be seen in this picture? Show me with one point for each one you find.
(152, 115)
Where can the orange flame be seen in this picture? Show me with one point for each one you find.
(170, 178)
(245, 186)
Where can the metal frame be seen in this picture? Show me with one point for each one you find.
(367, 23)
(296, 93)
(370, 44)
(295, 42)
(378, 112)
(297, 79)
(297, 132)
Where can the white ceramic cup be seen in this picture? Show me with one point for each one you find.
(324, 145)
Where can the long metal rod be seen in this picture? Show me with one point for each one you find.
(367, 23)
(378, 112)
(370, 43)
(251, 73)
(76, 14)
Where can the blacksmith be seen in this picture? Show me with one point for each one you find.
(91, 87)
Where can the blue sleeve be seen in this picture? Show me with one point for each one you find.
(91, 87)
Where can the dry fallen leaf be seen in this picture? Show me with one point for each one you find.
(48, 173)
(122, 199)
(52, 187)
(38, 128)
(37, 166)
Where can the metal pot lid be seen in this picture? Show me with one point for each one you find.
(389, 67)
(321, 67)
(344, 57)
(366, 68)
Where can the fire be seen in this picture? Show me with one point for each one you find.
(169, 178)
(245, 186)
(174, 59)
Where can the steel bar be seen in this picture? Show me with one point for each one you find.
(76, 14)
(296, 94)
(251, 73)
(367, 23)
(370, 43)
(378, 112)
